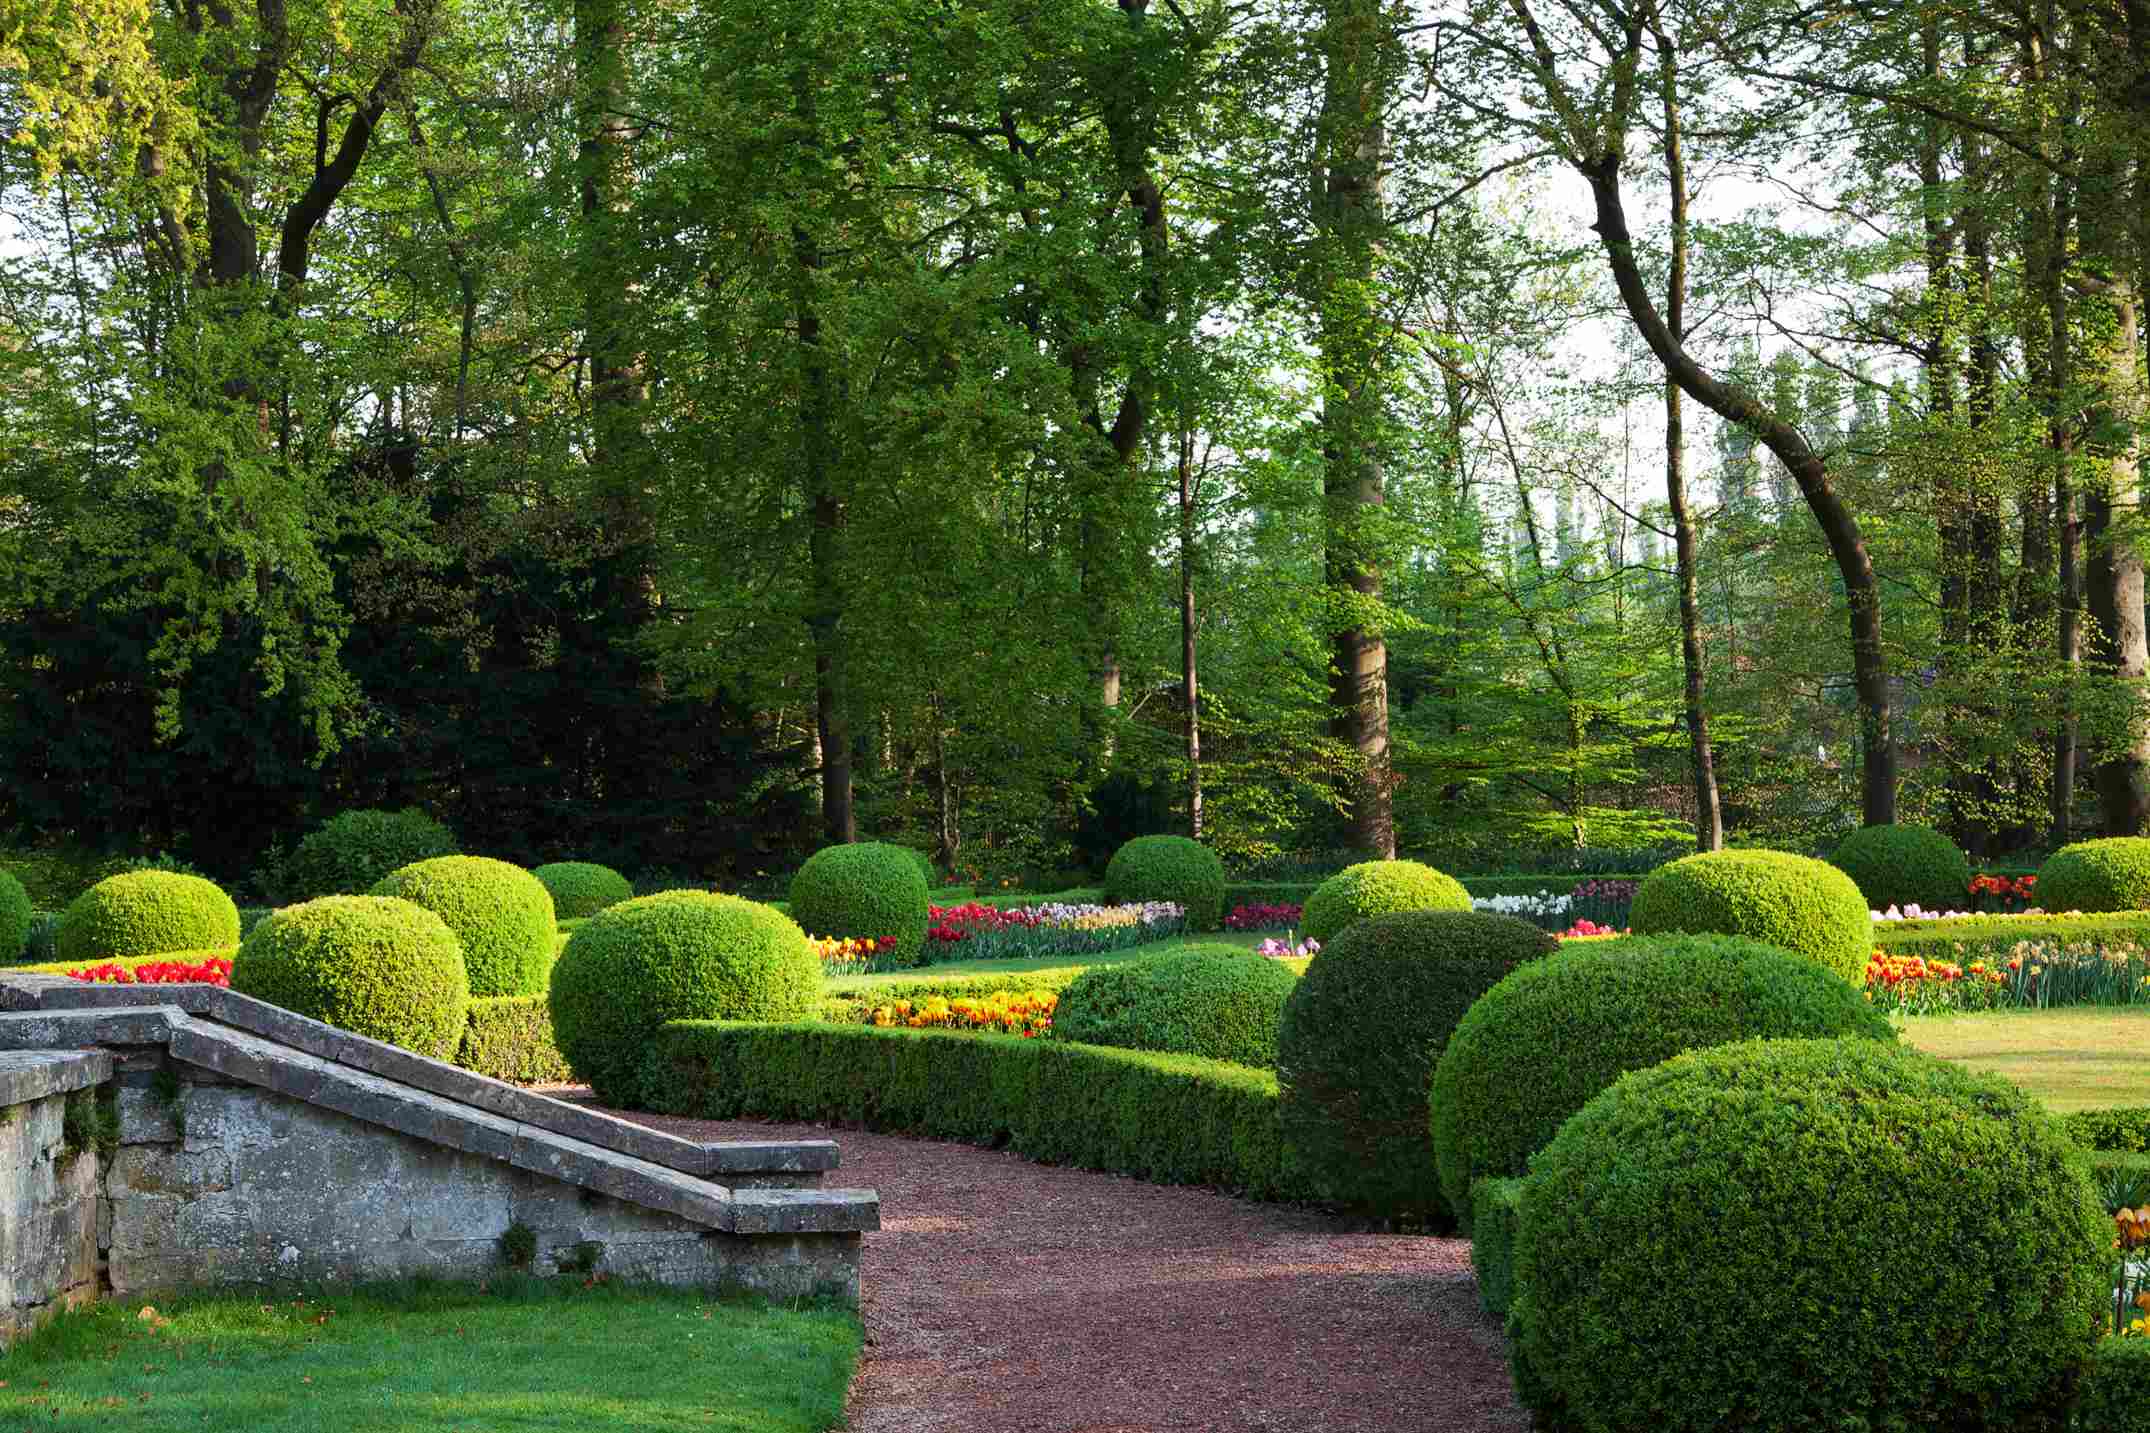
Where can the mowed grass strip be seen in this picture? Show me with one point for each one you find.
(2078, 1058)
(525, 1354)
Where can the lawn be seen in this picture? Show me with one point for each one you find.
(2085, 1057)
(527, 1355)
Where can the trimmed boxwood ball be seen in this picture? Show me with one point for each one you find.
(373, 965)
(869, 889)
(582, 888)
(1219, 1001)
(1539, 1045)
(1797, 903)
(1901, 865)
(15, 915)
(147, 913)
(679, 955)
(1374, 888)
(352, 852)
(501, 913)
(1799, 1234)
(1169, 868)
(1359, 1039)
(2111, 874)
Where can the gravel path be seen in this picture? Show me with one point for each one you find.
(1002, 1295)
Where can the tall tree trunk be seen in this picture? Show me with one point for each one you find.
(825, 538)
(2114, 579)
(1190, 688)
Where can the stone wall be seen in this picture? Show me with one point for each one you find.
(48, 1183)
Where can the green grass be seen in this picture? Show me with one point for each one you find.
(529, 1355)
(1056, 964)
(2076, 1058)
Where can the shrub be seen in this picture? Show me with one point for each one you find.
(146, 913)
(2123, 1130)
(1169, 868)
(1770, 1214)
(582, 888)
(501, 913)
(353, 851)
(15, 914)
(1495, 1206)
(1802, 905)
(509, 1037)
(2112, 874)
(379, 967)
(1218, 1001)
(1903, 865)
(2115, 1395)
(1374, 888)
(866, 889)
(1992, 938)
(682, 955)
(1549, 1037)
(1359, 1039)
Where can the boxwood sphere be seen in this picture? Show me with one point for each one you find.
(1169, 868)
(582, 888)
(1900, 865)
(373, 965)
(501, 913)
(1545, 1040)
(353, 851)
(1799, 904)
(1374, 888)
(147, 913)
(1219, 1001)
(678, 955)
(2112, 874)
(869, 889)
(15, 914)
(1359, 1039)
(1793, 1234)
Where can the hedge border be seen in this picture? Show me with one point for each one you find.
(1496, 1211)
(509, 1037)
(2114, 1396)
(1991, 937)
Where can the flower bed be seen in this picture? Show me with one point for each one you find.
(158, 970)
(976, 931)
(1284, 949)
(855, 955)
(2031, 974)
(1272, 915)
(1028, 1014)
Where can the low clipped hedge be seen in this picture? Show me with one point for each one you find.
(2109, 874)
(2115, 1393)
(1221, 1002)
(1796, 903)
(582, 888)
(1992, 938)
(1169, 868)
(352, 852)
(1903, 865)
(145, 913)
(509, 1037)
(375, 965)
(1171, 1119)
(500, 912)
(2124, 1129)
(1377, 888)
(1496, 1207)
(869, 889)
(15, 914)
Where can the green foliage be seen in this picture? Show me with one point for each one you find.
(15, 917)
(1542, 1043)
(351, 853)
(1496, 1206)
(2112, 874)
(582, 888)
(1169, 868)
(1901, 865)
(41, 941)
(380, 967)
(1374, 888)
(681, 955)
(1799, 904)
(1361, 1035)
(1221, 1002)
(500, 913)
(868, 889)
(2124, 1129)
(1991, 938)
(1773, 1206)
(509, 1037)
(55, 874)
(145, 913)
(2115, 1394)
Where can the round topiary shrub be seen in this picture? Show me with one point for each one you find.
(868, 889)
(1796, 903)
(1218, 1001)
(147, 913)
(15, 916)
(1169, 868)
(501, 913)
(1767, 1212)
(1359, 1039)
(377, 967)
(582, 888)
(352, 852)
(1905, 865)
(2112, 874)
(1549, 1037)
(1375, 888)
(680, 955)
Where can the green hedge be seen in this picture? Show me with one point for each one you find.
(2109, 874)
(2123, 1129)
(2115, 1392)
(1169, 868)
(1495, 1206)
(510, 1038)
(1172, 1119)
(1807, 907)
(1990, 938)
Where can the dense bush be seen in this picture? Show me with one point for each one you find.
(1361, 1035)
(352, 852)
(1374, 888)
(501, 913)
(15, 915)
(682, 955)
(509, 1037)
(145, 913)
(1169, 868)
(1905, 865)
(2124, 1129)
(868, 889)
(1802, 905)
(582, 888)
(2115, 1396)
(2112, 874)
(1772, 1214)
(1992, 938)
(379, 967)
(1218, 1001)
(1496, 1205)
(1549, 1037)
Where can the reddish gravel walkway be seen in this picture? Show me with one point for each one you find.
(1003, 1296)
